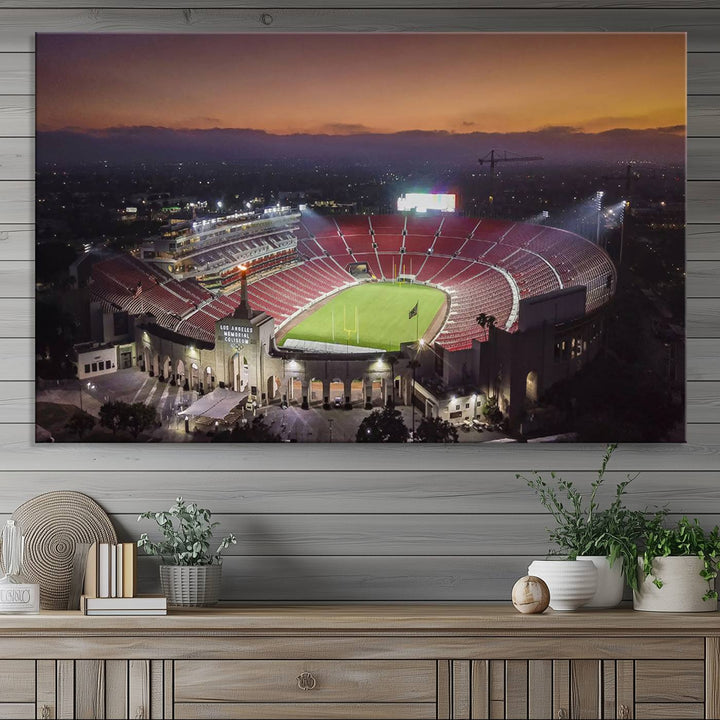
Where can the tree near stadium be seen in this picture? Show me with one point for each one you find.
(386, 425)
(436, 430)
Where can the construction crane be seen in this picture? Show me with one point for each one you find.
(630, 176)
(494, 157)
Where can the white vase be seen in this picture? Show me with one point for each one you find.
(571, 582)
(682, 590)
(610, 582)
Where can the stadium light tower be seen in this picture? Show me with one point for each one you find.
(598, 210)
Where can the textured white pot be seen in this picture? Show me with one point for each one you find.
(571, 582)
(682, 589)
(610, 582)
(191, 585)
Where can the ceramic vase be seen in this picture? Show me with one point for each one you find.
(571, 582)
(191, 585)
(682, 590)
(610, 582)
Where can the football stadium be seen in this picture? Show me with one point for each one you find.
(422, 307)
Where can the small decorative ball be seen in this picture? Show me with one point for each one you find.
(530, 594)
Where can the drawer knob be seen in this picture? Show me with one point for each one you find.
(624, 713)
(306, 681)
(45, 712)
(562, 715)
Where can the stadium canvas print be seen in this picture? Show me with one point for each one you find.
(456, 238)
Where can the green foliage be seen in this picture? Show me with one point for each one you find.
(134, 418)
(80, 423)
(386, 425)
(686, 538)
(436, 430)
(491, 410)
(583, 528)
(255, 431)
(186, 530)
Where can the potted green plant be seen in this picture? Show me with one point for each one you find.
(190, 574)
(677, 568)
(584, 530)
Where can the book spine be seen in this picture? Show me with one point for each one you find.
(113, 571)
(119, 548)
(104, 570)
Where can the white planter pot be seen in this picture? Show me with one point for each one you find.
(610, 582)
(682, 589)
(571, 582)
(191, 585)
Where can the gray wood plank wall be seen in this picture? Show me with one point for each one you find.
(342, 523)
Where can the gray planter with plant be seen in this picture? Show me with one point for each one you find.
(607, 536)
(677, 568)
(190, 574)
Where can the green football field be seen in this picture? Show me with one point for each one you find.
(372, 315)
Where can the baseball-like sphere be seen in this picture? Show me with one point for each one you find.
(530, 594)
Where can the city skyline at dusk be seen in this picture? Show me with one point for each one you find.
(363, 83)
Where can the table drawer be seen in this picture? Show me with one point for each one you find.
(672, 681)
(17, 681)
(305, 711)
(298, 681)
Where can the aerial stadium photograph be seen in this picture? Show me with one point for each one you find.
(360, 237)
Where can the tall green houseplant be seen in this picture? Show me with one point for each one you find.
(583, 527)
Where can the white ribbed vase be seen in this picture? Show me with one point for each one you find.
(610, 582)
(682, 589)
(571, 582)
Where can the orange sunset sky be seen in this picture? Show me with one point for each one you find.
(345, 84)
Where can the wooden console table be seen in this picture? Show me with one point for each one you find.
(361, 662)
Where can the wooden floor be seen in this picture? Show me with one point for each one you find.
(343, 523)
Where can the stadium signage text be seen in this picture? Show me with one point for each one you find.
(236, 334)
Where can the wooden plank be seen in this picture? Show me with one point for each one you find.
(609, 704)
(17, 201)
(17, 711)
(561, 688)
(625, 687)
(17, 157)
(461, 689)
(712, 677)
(276, 5)
(702, 278)
(480, 689)
(443, 689)
(277, 680)
(139, 689)
(17, 242)
(169, 689)
(703, 317)
(703, 241)
(585, 688)
(703, 73)
(157, 689)
(20, 25)
(703, 159)
(516, 689)
(17, 73)
(17, 115)
(540, 680)
(497, 689)
(306, 711)
(702, 359)
(669, 681)
(16, 277)
(702, 205)
(116, 689)
(454, 494)
(17, 681)
(89, 689)
(703, 402)
(46, 689)
(703, 115)
(66, 689)
(671, 711)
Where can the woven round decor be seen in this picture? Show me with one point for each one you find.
(52, 524)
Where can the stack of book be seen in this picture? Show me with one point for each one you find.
(111, 583)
